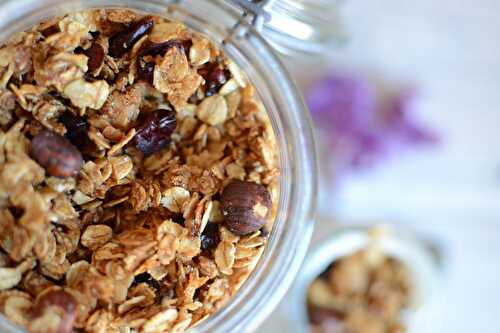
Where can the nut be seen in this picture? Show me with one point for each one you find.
(56, 154)
(245, 206)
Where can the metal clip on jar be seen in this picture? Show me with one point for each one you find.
(229, 24)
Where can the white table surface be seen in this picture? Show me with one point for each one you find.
(450, 50)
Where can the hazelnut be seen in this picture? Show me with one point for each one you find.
(56, 154)
(245, 206)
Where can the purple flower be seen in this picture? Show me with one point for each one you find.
(362, 130)
(342, 104)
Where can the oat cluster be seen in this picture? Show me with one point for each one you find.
(119, 134)
(366, 292)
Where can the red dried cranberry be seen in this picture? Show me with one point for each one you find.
(151, 282)
(145, 70)
(95, 53)
(210, 237)
(154, 134)
(121, 42)
(154, 49)
(214, 76)
(50, 30)
(76, 129)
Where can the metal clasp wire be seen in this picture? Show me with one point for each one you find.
(255, 10)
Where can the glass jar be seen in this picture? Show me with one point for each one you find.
(304, 28)
(292, 229)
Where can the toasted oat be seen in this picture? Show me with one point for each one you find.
(213, 110)
(131, 240)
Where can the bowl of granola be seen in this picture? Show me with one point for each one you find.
(157, 170)
(363, 280)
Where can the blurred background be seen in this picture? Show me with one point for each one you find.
(411, 137)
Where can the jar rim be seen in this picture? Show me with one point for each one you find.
(292, 231)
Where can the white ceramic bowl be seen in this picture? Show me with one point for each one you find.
(424, 269)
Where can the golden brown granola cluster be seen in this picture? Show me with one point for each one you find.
(366, 292)
(138, 175)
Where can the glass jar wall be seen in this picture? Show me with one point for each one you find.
(292, 229)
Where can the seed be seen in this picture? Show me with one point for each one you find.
(210, 237)
(56, 154)
(121, 42)
(245, 206)
(95, 53)
(154, 134)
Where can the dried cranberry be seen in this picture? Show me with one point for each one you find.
(210, 237)
(215, 77)
(145, 70)
(154, 134)
(121, 42)
(186, 44)
(76, 129)
(179, 219)
(95, 53)
(95, 34)
(50, 30)
(154, 49)
(150, 281)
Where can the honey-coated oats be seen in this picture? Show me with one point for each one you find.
(138, 169)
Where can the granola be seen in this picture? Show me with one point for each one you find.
(138, 175)
(366, 292)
